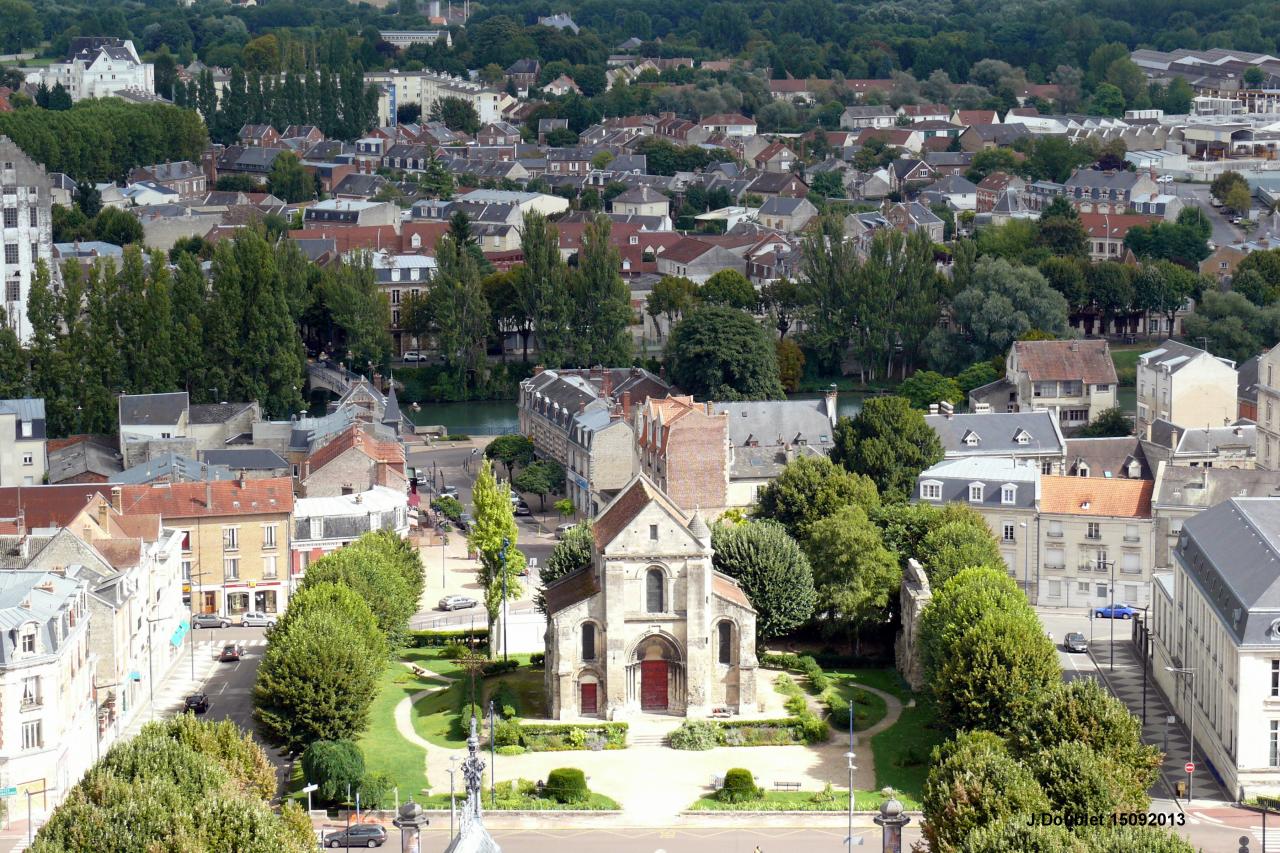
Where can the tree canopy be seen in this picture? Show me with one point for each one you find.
(720, 353)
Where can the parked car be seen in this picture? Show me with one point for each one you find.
(230, 652)
(210, 620)
(413, 356)
(449, 492)
(465, 521)
(1116, 611)
(253, 619)
(197, 703)
(522, 508)
(360, 835)
(457, 602)
(1075, 642)
(563, 529)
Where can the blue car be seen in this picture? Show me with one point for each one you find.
(1116, 611)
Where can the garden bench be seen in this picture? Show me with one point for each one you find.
(717, 782)
(786, 786)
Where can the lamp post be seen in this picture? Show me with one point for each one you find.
(848, 757)
(1026, 559)
(506, 543)
(891, 820)
(410, 821)
(493, 764)
(453, 768)
(1190, 672)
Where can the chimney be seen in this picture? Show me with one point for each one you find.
(1173, 439)
(933, 408)
(606, 383)
(240, 479)
(538, 368)
(626, 404)
(1075, 346)
(103, 511)
(947, 409)
(208, 494)
(117, 499)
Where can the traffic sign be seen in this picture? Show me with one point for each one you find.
(1190, 767)
(10, 791)
(309, 788)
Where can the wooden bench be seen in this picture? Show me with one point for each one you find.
(786, 786)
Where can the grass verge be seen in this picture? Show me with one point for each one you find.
(797, 801)
(902, 751)
(383, 747)
(595, 802)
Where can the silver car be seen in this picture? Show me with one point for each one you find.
(457, 602)
(258, 620)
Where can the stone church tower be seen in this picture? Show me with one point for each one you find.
(650, 625)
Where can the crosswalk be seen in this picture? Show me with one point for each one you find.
(1272, 843)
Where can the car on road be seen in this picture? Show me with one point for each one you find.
(563, 529)
(1116, 611)
(230, 652)
(413, 356)
(210, 620)
(457, 602)
(465, 521)
(253, 619)
(360, 835)
(521, 508)
(449, 492)
(1075, 642)
(196, 703)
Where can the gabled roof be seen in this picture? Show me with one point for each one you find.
(228, 497)
(629, 503)
(1096, 496)
(152, 409)
(1086, 361)
(1107, 457)
(1171, 354)
(1232, 553)
(998, 433)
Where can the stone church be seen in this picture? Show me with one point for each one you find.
(649, 626)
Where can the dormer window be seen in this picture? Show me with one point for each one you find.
(975, 493)
(930, 490)
(29, 642)
(1008, 494)
(1022, 436)
(971, 439)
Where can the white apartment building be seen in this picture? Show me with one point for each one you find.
(23, 459)
(1269, 410)
(425, 88)
(1185, 386)
(1217, 615)
(99, 68)
(26, 203)
(324, 525)
(46, 685)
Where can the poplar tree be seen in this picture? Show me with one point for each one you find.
(493, 536)
(601, 299)
(542, 290)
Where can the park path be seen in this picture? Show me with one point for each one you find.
(404, 709)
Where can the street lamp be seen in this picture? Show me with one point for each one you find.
(891, 820)
(410, 821)
(453, 767)
(1190, 672)
(848, 757)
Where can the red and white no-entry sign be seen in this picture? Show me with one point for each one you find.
(1189, 767)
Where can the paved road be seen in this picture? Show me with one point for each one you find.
(1224, 233)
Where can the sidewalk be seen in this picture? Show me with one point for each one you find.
(172, 690)
(1125, 682)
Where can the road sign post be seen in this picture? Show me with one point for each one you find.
(309, 789)
(1189, 768)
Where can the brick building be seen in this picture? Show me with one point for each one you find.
(683, 447)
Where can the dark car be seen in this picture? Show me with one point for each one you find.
(210, 620)
(360, 835)
(197, 703)
(1115, 611)
(465, 521)
(1075, 642)
(230, 652)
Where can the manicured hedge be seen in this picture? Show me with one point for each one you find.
(804, 727)
(740, 786)
(537, 659)
(498, 667)
(566, 785)
(555, 737)
(432, 639)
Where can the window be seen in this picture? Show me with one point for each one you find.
(268, 536)
(1100, 561)
(1046, 467)
(1275, 678)
(1008, 493)
(975, 493)
(1055, 558)
(653, 533)
(1273, 759)
(35, 216)
(33, 736)
(166, 435)
(269, 566)
(317, 528)
(186, 570)
(724, 640)
(1009, 530)
(186, 541)
(931, 490)
(230, 538)
(1101, 389)
(653, 591)
(588, 641)
(395, 297)
(1101, 591)
(1045, 389)
(231, 568)
(29, 642)
(1094, 530)
(1131, 533)
(28, 459)
(1129, 563)
(31, 691)
(11, 217)
(1071, 388)
(1082, 587)
(11, 253)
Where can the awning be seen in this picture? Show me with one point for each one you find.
(134, 675)
(181, 631)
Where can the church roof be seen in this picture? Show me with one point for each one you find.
(727, 588)
(629, 503)
(571, 589)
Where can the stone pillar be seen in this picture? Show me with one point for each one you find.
(914, 596)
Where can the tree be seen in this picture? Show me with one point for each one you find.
(771, 569)
(721, 353)
(992, 160)
(459, 311)
(781, 299)
(1164, 288)
(1018, 833)
(510, 450)
(977, 375)
(1001, 664)
(571, 554)
(541, 478)
(372, 574)
(959, 544)
(542, 290)
(493, 537)
(855, 576)
(790, 364)
(810, 489)
(1239, 199)
(924, 388)
(20, 28)
(1060, 230)
(1107, 100)
(113, 225)
(973, 783)
(731, 289)
(600, 299)
(1237, 327)
(1224, 183)
(888, 442)
(671, 297)
(337, 766)
(959, 601)
(1110, 423)
(457, 114)
(316, 681)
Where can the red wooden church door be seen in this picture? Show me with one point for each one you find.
(653, 685)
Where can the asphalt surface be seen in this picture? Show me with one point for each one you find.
(1223, 233)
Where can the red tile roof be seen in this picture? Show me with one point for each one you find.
(727, 588)
(355, 437)
(48, 506)
(1086, 361)
(1096, 496)
(977, 117)
(1113, 225)
(210, 499)
(349, 238)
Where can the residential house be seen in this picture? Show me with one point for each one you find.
(601, 456)
(1076, 380)
(1004, 491)
(642, 201)
(23, 459)
(562, 85)
(968, 118)
(777, 184)
(151, 424)
(775, 158)
(83, 459)
(1114, 457)
(1097, 540)
(182, 177)
(984, 137)
(355, 460)
(732, 125)
(100, 67)
(523, 73)
(322, 525)
(957, 191)
(683, 447)
(1032, 435)
(925, 112)
(1186, 386)
(995, 185)
(1094, 191)
(786, 214)
(498, 133)
(258, 136)
(697, 260)
(766, 435)
(235, 539)
(28, 233)
(1216, 615)
(858, 117)
(1233, 446)
(1182, 492)
(251, 462)
(1222, 262)
(912, 216)
(907, 173)
(1106, 233)
(907, 138)
(343, 212)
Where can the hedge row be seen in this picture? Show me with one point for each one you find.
(705, 734)
(555, 737)
(819, 681)
(432, 639)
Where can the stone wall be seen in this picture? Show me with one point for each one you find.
(914, 596)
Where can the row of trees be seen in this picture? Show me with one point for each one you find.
(149, 327)
(1026, 742)
(183, 784)
(324, 659)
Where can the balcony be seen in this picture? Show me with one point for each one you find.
(27, 703)
(1054, 534)
(1129, 538)
(1056, 567)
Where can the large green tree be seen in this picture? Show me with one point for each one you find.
(601, 301)
(721, 353)
(288, 181)
(810, 489)
(494, 537)
(729, 288)
(889, 442)
(855, 575)
(543, 291)
(771, 569)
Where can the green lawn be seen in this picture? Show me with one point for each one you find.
(869, 708)
(801, 801)
(435, 717)
(902, 751)
(595, 802)
(887, 680)
(383, 747)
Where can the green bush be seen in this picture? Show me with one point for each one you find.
(449, 507)
(377, 790)
(696, 735)
(739, 787)
(566, 785)
(333, 765)
(555, 737)
(537, 659)
(498, 667)
(431, 639)
(505, 700)
(507, 733)
(780, 660)
(453, 651)
(464, 719)
(511, 748)
(796, 705)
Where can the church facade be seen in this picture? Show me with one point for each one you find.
(650, 626)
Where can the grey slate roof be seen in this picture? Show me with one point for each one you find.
(26, 409)
(641, 195)
(1247, 380)
(956, 475)
(1200, 488)
(782, 205)
(997, 433)
(215, 413)
(1232, 553)
(152, 409)
(245, 459)
(91, 456)
(23, 601)
(953, 185)
(174, 467)
(1172, 354)
(1107, 457)
(769, 423)
(1217, 439)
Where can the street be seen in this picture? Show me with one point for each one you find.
(1223, 232)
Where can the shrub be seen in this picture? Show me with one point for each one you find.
(814, 730)
(566, 785)
(498, 667)
(376, 790)
(555, 737)
(537, 659)
(449, 507)
(507, 733)
(431, 639)
(780, 660)
(453, 651)
(696, 735)
(796, 705)
(464, 718)
(333, 765)
(511, 748)
(505, 700)
(739, 787)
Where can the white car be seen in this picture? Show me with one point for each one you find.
(563, 529)
(413, 356)
(257, 620)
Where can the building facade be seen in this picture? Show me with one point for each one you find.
(683, 448)
(649, 626)
(1268, 392)
(100, 68)
(26, 200)
(324, 525)
(1186, 386)
(23, 460)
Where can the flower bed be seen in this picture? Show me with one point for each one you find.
(552, 737)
